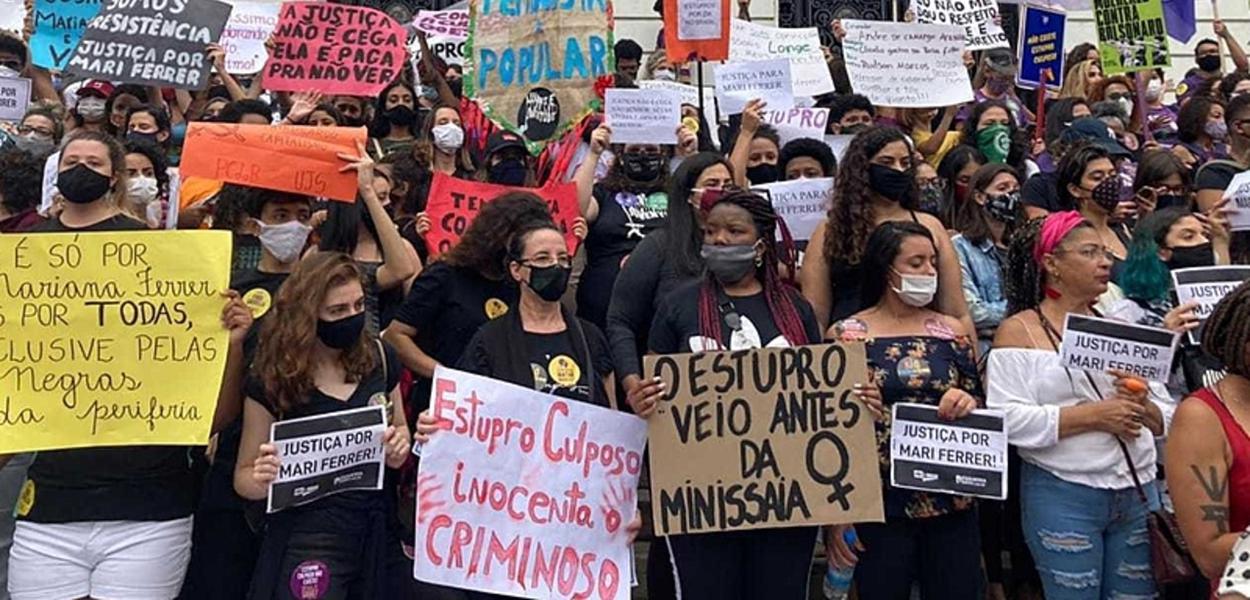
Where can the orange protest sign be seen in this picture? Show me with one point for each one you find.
(302, 160)
(453, 203)
(696, 30)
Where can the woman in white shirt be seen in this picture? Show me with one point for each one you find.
(1083, 516)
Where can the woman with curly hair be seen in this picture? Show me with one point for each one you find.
(1080, 79)
(1202, 131)
(875, 184)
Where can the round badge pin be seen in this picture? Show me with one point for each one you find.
(310, 580)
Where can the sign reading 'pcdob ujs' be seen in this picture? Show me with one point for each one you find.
(327, 454)
(1101, 345)
(967, 456)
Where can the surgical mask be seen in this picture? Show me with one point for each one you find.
(1185, 257)
(891, 184)
(916, 290)
(931, 199)
(1127, 105)
(1002, 207)
(401, 115)
(642, 167)
(664, 75)
(994, 141)
(142, 189)
(509, 172)
(550, 282)
(1218, 130)
(341, 334)
(34, 146)
(763, 173)
(285, 241)
(82, 185)
(1154, 90)
(448, 137)
(1209, 63)
(1107, 194)
(139, 136)
(729, 264)
(91, 108)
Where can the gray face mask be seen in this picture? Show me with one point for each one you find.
(729, 264)
(36, 147)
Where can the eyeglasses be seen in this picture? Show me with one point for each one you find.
(544, 262)
(27, 130)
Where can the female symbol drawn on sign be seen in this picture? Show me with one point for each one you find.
(834, 479)
(539, 114)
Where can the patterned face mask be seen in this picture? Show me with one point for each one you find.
(995, 142)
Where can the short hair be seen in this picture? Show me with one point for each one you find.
(1205, 41)
(1229, 83)
(628, 49)
(847, 103)
(233, 112)
(1073, 165)
(158, 114)
(809, 148)
(1192, 120)
(1236, 110)
(14, 45)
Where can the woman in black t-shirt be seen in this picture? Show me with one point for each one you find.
(314, 359)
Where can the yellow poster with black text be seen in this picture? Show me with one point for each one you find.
(110, 339)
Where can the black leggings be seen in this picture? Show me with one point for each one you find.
(744, 565)
(942, 553)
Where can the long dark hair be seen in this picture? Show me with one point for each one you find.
(851, 220)
(1192, 120)
(484, 245)
(969, 217)
(1019, 141)
(954, 162)
(879, 254)
(683, 236)
(340, 232)
(423, 149)
(160, 164)
(381, 126)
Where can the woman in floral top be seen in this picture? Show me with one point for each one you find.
(915, 355)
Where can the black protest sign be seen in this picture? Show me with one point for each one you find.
(1101, 345)
(764, 438)
(327, 454)
(1206, 286)
(967, 456)
(151, 42)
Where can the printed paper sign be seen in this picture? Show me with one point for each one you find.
(14, 98)
(1041, 47)
(761, 439)
(130, 42)
(328, 454)
(1101, 345)
(450, 49)
(642, 116)
(13, 16)
(250, 24)
(1206, 286)
(1238, 194)
(978, 18)
(448, 23)
(802, 203)
(696, 30)
(966, 457)
(689, 94)
(454, 202)
(906, 65)
(699, 20)
(808, 70)
(111, 339)
(526, 494)
(798, 123)
(768, 80)
(533, 70)
(1131, 35)
(359, 57)
(59, 25)
(244, 154)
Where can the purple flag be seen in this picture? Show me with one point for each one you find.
(1180, 19)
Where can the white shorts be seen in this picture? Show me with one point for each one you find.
(106, 560)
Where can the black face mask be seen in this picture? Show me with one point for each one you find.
(1209, 63)
(1185, 257)
(147, 138)
(401, 115)
(511, 171)
(353, 122)
(892, 184)
(763, 173)
(457, 87)
(1163, 201)
(82, 185)
(341, 334)
(642, 167)
(855, 129)
(549, 282)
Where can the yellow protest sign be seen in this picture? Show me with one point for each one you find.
(110, 339)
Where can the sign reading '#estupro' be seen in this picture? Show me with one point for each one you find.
(1206, 286)
(1101, 345)
(327, 454)
(967, 456)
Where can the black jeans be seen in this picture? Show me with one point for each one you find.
(942, 553)
(744, 565)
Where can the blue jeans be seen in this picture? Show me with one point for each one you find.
(1088, 543)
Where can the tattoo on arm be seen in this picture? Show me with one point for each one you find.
(1214, 485)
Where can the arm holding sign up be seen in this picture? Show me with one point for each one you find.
(600, 139)
(400, 263)
(752, 117)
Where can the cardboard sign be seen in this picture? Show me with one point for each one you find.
(14, 98)
(327, 454)
(906, 65)
(689, 94)
(334, 49)
(696, 30)
(13, 16)
(289, 158)
(532, 67)
(739, 83)
(642, 116)
(802, 203)
(1238, 194)
(444, 23)
(1100, 345)
(129, 42)
(1207, 286)
(758, 439)
(59, 25)
(1132, 35)
(976, 17)
(526, 494)
(250, 24)
(966, 457)
(453, 203)
(1041, 47)
(111, 339)
(798, 123)
(808, 70)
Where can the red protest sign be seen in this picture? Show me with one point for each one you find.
(696, 29)
(453, 203)
(334, 49)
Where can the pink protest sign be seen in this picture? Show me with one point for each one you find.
(526, 494)
(334, 49)
(449, 23)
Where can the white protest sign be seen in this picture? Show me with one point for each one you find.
(689, 94)
(450, 49)
(1101, 345)
(802, 203)
(906, 65)
(13, 15)
(839, 144)
(327, 454)
(449, 23)
(243, 39)
(1239, 208)
(798, 123)
(808, 70)
(642, 116)
(967, 456)
(978, 18)
(768, 80)
(14, 98)
(1206, 286)
(698, 20)
(525, 494)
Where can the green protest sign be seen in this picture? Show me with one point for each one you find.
(1131, 35)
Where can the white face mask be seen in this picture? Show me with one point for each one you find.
(916, 290)
(1127, 105)
(91, 108)
(664, 75)
(142, 190)
(449, 137)
(284, 241)
(1154, 90)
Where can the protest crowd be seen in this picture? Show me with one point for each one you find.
(298, 302)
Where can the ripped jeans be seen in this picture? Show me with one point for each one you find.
(1088, 543)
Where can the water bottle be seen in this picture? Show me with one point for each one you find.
(838, 581)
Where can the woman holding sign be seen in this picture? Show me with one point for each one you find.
(314, 359)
